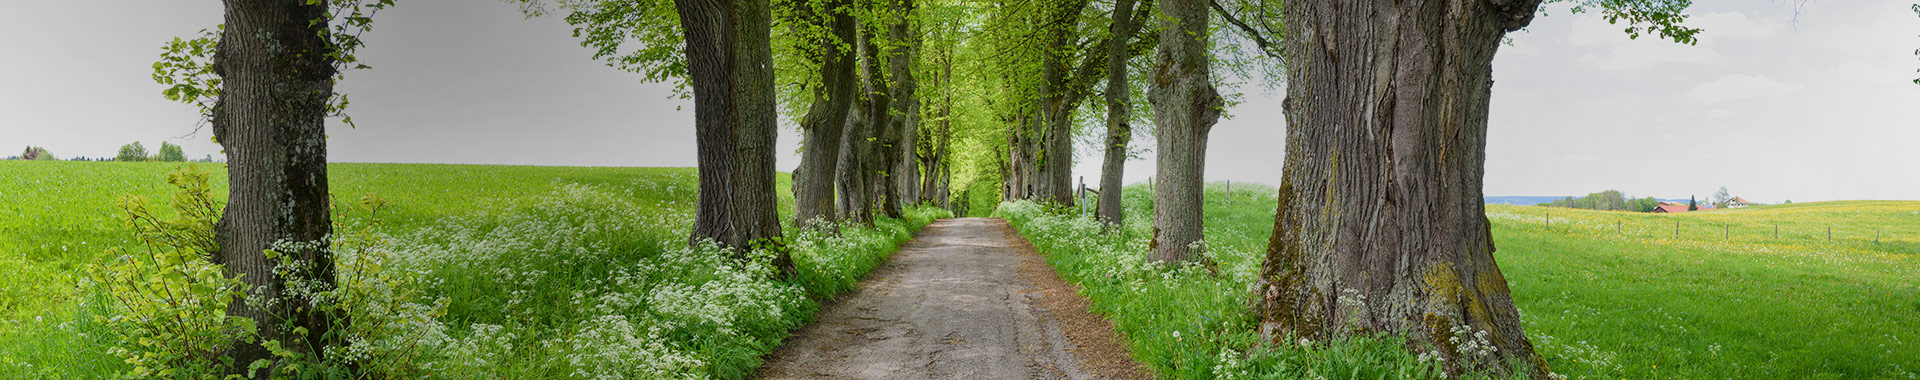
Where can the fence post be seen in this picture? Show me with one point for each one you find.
(1676, 229)
(1829, 233)
(1549, 220)
(1776, 230)
(1229, 191)
(1726, 232)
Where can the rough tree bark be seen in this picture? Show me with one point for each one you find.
(1380, 224)
(906, 104)
(1119, 111)
(1062, 86)
(854, 205)
(880, 121)
(856, 144)
(1020, 158)
(271, 119)
(937, 167)
(825, 120)
(730, 60)
(1185, 108)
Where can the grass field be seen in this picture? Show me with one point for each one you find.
(523, 272)
(1604, 295)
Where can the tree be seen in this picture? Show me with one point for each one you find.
(1721, 197)
(34, 153)
(729, 62)
(1185, 108)
(1380, 223)
(132, 152)
(170, 153)
(1692, 205)
(832, 50)
(898, 110)
(1645, 204)
(1119, 109)
(277, 67)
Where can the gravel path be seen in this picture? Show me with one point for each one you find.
(967, 299)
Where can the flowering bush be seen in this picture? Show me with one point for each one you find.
(595, 283)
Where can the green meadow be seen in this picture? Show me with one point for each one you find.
(507, 271)
(568, 272)
(1604, 295)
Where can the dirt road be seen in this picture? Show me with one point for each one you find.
(967, 299)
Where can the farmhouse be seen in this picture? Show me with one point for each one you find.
(1670, 208)
(1738, 202)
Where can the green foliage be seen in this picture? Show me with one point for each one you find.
(34, 153)
(170, 153)
(169, 300)
(186, 65)
(1658, 17)
(1605, 200)
(607, 26)
(132, 152)
(186, 68)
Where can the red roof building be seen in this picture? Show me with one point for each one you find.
(1670, 208)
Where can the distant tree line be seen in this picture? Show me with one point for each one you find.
(133, 152)
(1612, 200)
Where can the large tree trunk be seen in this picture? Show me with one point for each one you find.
(1185, 108)
(906, 105)
(1019, 159)
(854, 205)
(881, 122)
(857, 145)
(729, 57)
(1380, 224)
(1119, 112)
(826, 117)
(271, 119)
(756, 179)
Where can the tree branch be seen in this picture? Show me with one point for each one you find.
(1266, 47)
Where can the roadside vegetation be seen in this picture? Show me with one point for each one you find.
(1603, 294)
(471, 271)
(1186, 322)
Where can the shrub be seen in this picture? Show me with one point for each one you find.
(167, 304)
(132, 152)
(170, 153)
(168, 313)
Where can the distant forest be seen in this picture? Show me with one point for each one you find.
(1606, 200)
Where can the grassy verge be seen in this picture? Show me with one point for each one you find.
(562, 273)
(1603, 295)
(1183, 322)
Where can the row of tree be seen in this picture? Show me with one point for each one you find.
(136, 152)
(1379, 225)
(128, 153)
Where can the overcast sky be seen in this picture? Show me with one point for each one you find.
(1772, 105)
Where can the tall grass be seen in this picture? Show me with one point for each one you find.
(561, 273)
(1603, 295)
(1185, 322)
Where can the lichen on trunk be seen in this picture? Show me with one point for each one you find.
(1380, 225)
(271, 119)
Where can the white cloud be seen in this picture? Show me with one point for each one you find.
(1520, 48)
(1645, 54)
(1618, 52)
(1736, 87)
(1720, 26)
